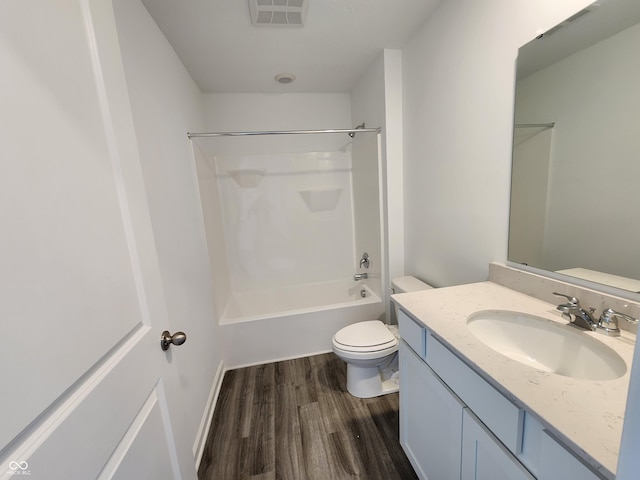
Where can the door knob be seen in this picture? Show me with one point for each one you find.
(167, 339)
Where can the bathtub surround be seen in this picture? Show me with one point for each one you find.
(283, 231)
(296, 299)
(291, 207)
(296, 326)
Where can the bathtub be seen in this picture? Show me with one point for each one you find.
(294, 321)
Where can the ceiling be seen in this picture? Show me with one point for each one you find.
(225, 53)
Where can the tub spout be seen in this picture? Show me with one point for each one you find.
(360, 276)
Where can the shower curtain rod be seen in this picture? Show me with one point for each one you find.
(535, 125)
(282, 132)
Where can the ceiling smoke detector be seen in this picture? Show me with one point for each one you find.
(278, 13)
(285, 78)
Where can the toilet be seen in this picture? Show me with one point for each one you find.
(370, 350)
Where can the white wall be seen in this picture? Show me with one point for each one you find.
(367, 208)
(593, 97)
(367, 106)
(458, 73)
(530, 179)
(166, 104)
(239, 112)
(377, 100)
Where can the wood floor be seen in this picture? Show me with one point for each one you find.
(295, 420)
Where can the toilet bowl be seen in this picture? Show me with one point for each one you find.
(370, 349)
(367, 348)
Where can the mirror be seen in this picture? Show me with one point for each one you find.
(575, 193)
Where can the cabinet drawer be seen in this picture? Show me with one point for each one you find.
(501, 416)
(412, 333)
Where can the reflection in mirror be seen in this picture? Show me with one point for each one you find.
(575, 198)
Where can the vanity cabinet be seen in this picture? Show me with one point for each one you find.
(455, 425)
(430, 419)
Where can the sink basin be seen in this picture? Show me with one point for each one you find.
(546, 345)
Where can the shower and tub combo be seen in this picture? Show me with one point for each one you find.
(289, 216)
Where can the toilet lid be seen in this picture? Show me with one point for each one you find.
(371, 333)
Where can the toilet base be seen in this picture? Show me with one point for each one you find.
(367, 382)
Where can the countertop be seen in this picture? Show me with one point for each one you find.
(587, 415)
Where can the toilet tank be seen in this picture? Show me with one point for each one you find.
(406, 285)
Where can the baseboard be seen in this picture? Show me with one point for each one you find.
(205, 423)
(278, 359)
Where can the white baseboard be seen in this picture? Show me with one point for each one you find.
(205, 423)
(278, 359)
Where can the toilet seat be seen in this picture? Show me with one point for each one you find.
(365, 337)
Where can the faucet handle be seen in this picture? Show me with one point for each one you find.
(364, 261)
(572, 300)
(608, 322)
(610, 316)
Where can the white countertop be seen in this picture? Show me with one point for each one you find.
(587, 415)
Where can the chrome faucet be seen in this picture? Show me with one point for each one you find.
(576, 314)
(364, 261)
(608, 323)
(360, 276)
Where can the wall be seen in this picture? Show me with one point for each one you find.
(592, 96)
(458, 74)
(377, 100)
(529, 180)
(239, 112)
(166, 104)
(367, 216)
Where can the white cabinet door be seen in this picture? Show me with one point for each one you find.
(558, 463)
(484, 457)
(430, 420)
(86, 390)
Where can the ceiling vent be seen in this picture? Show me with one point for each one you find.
(278, 13)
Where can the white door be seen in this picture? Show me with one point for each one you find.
(85, 387)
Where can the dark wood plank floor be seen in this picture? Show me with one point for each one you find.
(295, 420)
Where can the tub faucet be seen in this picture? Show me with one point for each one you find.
(576, 314)
(360, 276)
